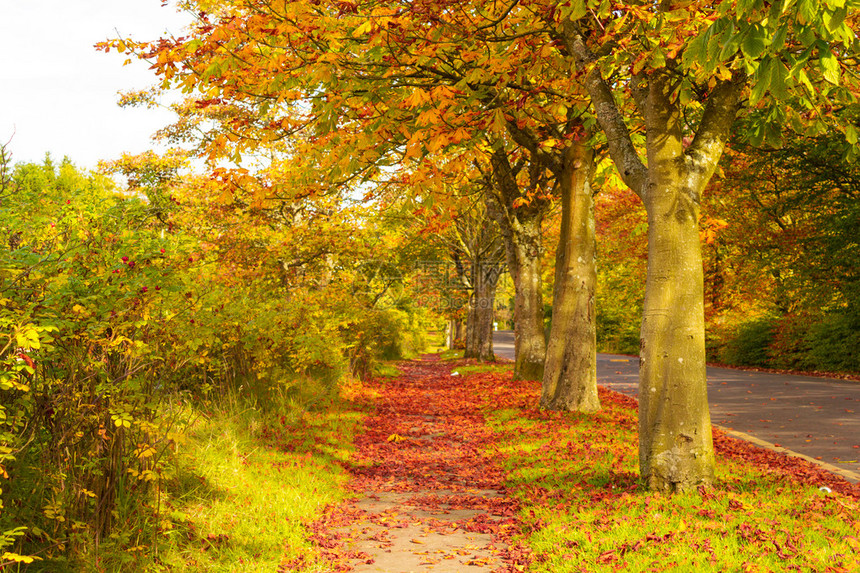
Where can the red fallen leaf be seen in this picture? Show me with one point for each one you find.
(607, 557)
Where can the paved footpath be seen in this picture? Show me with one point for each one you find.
(815, 417)
(429, 500)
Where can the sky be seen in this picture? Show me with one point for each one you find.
(58, 94)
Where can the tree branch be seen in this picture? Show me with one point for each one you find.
(633, 172)
(703, 154)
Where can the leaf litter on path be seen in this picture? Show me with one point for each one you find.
(429, 498)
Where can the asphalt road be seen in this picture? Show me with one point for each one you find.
(816, 417)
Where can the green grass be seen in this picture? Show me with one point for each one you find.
(386, 370)
(453, 354)
(483, 368)
(244, 484)
(585, 509)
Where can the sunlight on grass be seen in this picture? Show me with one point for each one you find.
(386, 370)
(585, 509)
(481, 368)
(453, 354)
(247, 484)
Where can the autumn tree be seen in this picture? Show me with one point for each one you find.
(782, 271)
(686, 70)
(478, 254)
(360, 78)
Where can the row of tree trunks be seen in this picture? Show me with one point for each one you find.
(521, 231)
(479, 320)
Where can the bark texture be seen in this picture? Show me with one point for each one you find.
(529, 335)
(675, 448)
(570, 374)
(521, 231)
(479, 321)
(675, 445)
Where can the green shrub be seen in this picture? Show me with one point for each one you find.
(833, 344)
(789, 349)
(749, 344)
(617, 334)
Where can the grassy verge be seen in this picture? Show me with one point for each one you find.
(584, 508)
(246, 483)
(453, 354)
(465, 369)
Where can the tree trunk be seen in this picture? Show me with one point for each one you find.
(520, 227)
(570, 375)
(529, 337)
(457, 332)
(675, 447)
(479, 323)
(676, 451)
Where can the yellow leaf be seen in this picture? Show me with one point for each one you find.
(363, 29)
(417, 97)
(18, 558)
(498, 123)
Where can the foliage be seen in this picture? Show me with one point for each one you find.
(785, 249)
(118, 308)
(246, 483)
(621, 224)
(749, 344)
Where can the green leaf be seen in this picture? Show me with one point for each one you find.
(762, 81)
(804, 79)
(745, 6)
(828, 63)
(778, 41)
(851, 135)
(578, 9)
(776, 10)
(757, 136)
(730, 47)
(833, 20)
(696, 50)
(773, 135)
(807, 10)
(755, 42)
(778, 74)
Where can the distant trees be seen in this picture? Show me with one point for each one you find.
(787, 263)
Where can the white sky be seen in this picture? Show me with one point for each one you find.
(58, 94)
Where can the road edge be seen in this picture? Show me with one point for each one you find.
(847, 474)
